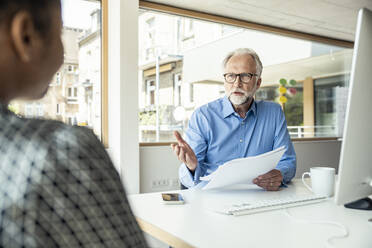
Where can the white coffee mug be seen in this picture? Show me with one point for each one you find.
(322, 180)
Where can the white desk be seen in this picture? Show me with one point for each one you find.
(193, 225)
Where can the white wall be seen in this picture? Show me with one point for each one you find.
(159, 167)
(123, 90)
(316, 153)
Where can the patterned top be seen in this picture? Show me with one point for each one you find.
(59, 188)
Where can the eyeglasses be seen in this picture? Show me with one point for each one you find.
(244, 77)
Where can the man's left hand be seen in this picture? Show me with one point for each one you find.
(270, 181)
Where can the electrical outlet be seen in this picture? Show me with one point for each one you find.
(160, 183)
(175, 182)
(154, 184)
(164, 182)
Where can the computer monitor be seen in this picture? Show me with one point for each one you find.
(355, 168)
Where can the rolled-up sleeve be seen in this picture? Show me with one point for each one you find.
(196, 137)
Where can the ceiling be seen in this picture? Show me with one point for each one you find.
(331, 18)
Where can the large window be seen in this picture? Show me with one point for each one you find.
(74, 94)
(180, 61)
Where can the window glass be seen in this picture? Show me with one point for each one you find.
(330, 105)
(180, 68)
(74, 94)
(293, 110)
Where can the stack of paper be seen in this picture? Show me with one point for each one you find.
(243, 170)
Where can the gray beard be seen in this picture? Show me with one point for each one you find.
(239, 100)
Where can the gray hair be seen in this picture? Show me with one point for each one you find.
(243, 51)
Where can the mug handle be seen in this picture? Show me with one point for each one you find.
(303, 180)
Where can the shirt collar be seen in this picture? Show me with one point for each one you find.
(227, 108)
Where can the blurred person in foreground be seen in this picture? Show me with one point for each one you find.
(58, 186)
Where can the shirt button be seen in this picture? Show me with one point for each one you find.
(241, 140)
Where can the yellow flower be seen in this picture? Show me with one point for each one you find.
(282, 90)
(282, 99)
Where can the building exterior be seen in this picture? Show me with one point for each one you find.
(164, 39)
(61, 101)
(170, 88)
(74, 94)
(89, 85)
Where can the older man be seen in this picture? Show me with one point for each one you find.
(58, 187)
(236, 126)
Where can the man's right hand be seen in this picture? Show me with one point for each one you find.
(184, 152)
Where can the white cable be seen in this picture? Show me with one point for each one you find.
(328, 244)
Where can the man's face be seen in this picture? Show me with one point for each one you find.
(239, 92)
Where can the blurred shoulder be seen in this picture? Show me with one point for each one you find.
(55, 135)
(58, 130)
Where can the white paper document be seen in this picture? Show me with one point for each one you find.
(243, 170)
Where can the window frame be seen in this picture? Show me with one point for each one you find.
(58, 109)
(58, 78)
(29, 110)
(39, 109)
(150, 92)
(177, 89)
(307, 83)
(104, 74)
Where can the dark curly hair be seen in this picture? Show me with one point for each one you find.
(37, 8)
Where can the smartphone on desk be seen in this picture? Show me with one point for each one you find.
(172, 198)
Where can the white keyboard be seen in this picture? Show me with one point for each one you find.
(267, 205)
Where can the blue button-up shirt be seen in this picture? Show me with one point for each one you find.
(218, 134)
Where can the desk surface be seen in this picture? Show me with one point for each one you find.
(194, 225)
